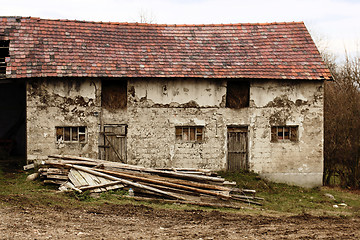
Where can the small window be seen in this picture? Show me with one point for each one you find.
(189, 134)
(237, 94)
(284, 133)
(71, 134)
(4, 57)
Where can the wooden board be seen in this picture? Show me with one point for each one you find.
(77, 179)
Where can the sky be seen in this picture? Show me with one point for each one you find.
(333, 24)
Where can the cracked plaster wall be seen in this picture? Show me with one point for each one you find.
(156, 106)
(69, 102)
(288, 103)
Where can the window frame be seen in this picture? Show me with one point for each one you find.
(289, 133)
(191, 134)
(4, 57)
(79, 137)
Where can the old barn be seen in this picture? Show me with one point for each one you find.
(232, 96)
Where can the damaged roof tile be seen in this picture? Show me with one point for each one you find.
(270, 51)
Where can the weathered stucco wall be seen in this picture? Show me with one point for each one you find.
(52, 103)
(288, 103)
(177, 93)
(156, 106)
(153, 114)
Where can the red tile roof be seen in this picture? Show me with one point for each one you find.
(64, 48)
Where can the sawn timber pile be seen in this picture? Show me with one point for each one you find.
(189, 185)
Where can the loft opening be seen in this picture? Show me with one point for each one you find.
(237, 94)
(114, 94)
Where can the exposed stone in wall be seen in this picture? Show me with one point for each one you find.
(151, 136)
(301, 104)
(61, 102)
(156, 106)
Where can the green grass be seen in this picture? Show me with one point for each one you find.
(279, 198)
(283, 198)
(16, 191)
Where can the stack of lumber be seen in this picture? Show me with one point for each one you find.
(55, 175)
(180, 184)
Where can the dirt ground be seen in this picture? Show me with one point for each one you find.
(129, 221)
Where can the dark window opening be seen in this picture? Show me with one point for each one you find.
(284, 133)
(71, 134)
(4, 57)
(237, 94)
(189, 134)
(114, 94)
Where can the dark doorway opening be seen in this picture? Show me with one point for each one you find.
(12, 122)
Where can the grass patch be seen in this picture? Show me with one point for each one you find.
(279, 198)
(283, 198)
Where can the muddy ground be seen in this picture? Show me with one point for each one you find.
(129, 221)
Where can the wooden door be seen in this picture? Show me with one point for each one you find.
(237, 149)
(113, 146)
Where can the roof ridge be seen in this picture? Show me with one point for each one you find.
(157, 24)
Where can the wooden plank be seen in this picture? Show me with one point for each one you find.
(170, 189)
(246, 197)
(143, 169)
(56, 176)
(249, 191)
(54, 171)
(70, 157)
(62, 163)
(101, 180)
(111, 187)
(189, 183)
(90, 180)
(73, 179)
(186, 176)
(105, 185)
(196, 171)
(29, 166)
(127, 182)
(177, 181)
(80, 180)
(107, 188)
(168, 184)
(246, 200)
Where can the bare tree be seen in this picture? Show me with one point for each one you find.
(146, 17)
(342, 123)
